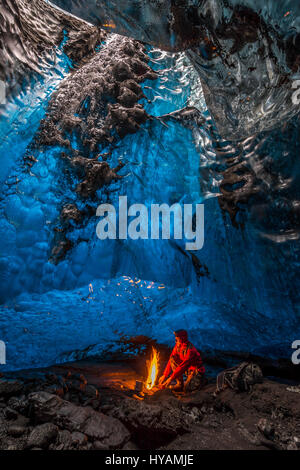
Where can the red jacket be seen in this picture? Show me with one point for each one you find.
(187, 357)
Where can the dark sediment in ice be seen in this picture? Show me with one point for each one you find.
(97, 105)
(30, 32)
(246, 296)
(246, 56)
(247, 61)
(99, 101)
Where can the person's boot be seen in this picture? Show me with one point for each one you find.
(188, 382)
(178, 387)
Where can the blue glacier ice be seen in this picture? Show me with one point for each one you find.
(246, 52)
(240, 292)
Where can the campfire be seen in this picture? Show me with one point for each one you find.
(152, 370)
(148, 387)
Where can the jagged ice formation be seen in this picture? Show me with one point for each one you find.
(91, 116)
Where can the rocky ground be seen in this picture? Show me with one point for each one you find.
(88, 406)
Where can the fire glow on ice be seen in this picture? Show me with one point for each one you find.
(139, 228)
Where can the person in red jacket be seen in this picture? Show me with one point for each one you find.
(184, 359)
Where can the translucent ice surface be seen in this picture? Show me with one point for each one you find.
(246, 52)
(240, 292)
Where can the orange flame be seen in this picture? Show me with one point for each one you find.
(152, 370)
(109, 25)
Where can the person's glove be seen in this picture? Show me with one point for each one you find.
(163, 382)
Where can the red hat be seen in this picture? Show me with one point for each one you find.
(182, 335)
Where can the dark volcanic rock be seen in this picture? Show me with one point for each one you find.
(10, 387)
(109, 431)
(55, 389)
(78, 439)
(151, 423)
(19, 404)
(10, 414)
(99, 446)
(64, 440)
(41, 436)
(266, 428)
(267, 417)
(130, 446)
(16, 430)
(91, 391)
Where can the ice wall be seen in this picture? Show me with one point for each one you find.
(246, 52)
(240, 292)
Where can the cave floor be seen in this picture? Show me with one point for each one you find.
(118, 376)
(74, 397)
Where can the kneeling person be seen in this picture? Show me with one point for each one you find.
(184, 359)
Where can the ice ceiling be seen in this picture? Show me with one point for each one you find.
(246, 52)
(230, 66)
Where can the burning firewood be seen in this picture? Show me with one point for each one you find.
(152, 370)
(148, 387)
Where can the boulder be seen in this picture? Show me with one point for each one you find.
(9, 388)
(91, 391)
(10, 414)
(42, 436)
(19, 404)
(55, 389)
(16, 430)
(153, 423)
(97, 426)
(64, 440)
(78, 438)
(130, 446)
(97, 445)
(266, 428)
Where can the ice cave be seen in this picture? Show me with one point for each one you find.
(164, 102)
